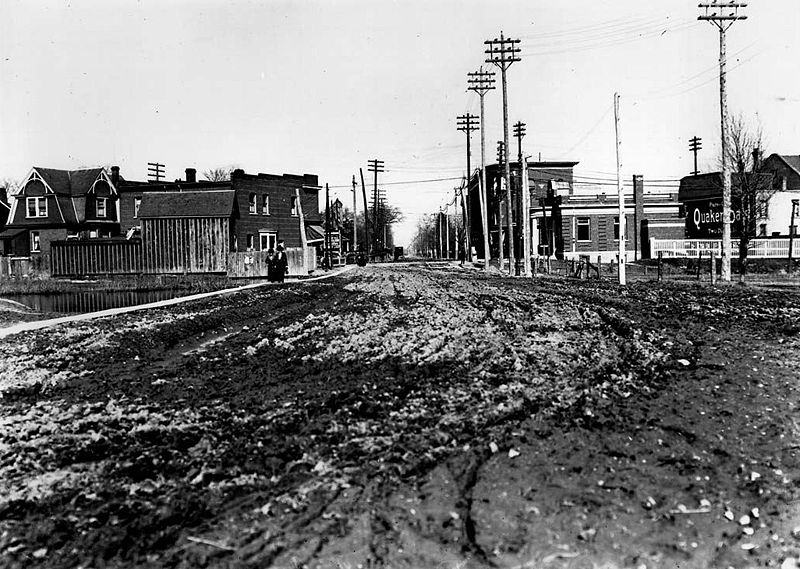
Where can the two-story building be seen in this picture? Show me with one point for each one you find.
(52, 205)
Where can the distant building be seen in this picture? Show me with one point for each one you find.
(570, 218)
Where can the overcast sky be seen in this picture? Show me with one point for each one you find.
(322, 86)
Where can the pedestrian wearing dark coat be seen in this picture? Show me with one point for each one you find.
(271, 265)
(281, 264)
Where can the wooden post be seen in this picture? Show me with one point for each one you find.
(699, 263)
(303, 239)
(713, 269)
(660, 266)
(599, 266)
(525, 218)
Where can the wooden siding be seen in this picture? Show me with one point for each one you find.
(186, 245)
(80, 258)
(254, 263)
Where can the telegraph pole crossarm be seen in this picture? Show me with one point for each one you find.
(481, 82)
(723, 15)
(503, 52)
(695, 144)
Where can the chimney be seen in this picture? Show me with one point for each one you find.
(115, 175)
(756, 154)
(191, 175)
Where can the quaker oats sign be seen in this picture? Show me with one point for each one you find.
(704, 219)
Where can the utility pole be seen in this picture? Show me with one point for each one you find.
(446, 232)
(375, 166)
(519, 132)
(366, 214)
(455, 222)
(620, 195)
(502, 53)
(155, 170)
(723, 15)
(482, 82)
(526, 219)
(695, 144)
(501, 160)
(355, 216)
(327, 228)
(795, 206)
(468, 124)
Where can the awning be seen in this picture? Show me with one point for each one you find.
(315, 234)
(11, 233)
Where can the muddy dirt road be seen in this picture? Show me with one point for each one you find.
(409, 417)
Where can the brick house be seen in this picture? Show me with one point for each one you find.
(56, 205)
(270, 211)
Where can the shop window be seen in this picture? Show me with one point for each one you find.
(583, 229)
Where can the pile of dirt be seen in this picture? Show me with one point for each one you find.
(408, 417)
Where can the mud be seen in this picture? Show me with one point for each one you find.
(409, 417)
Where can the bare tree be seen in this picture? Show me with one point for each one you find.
(221, 174)
(751, 189)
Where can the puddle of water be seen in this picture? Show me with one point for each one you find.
(90, 301)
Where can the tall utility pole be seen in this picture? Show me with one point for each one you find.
(366, 214)
(482, 82)
(501, 160)
(355, 215)
(468, 123)
(327, 228)
(526, 226)
(503, 52)
(519, 132)
(455, 222)
(695, 144)
(723, 15)
(620, 195)
(375, 166)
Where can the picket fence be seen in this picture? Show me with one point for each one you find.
(694, 248)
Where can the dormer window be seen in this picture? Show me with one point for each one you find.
(37, 206)
(101, 207)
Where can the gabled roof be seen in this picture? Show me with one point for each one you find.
(203, 203)
(792, 161)
(69, 182)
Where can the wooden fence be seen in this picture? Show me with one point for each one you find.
(79, 258)
(693, 248)
(186, 245)
(254, 263)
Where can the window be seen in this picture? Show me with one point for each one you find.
(252, 202)
(268, 241)
(37, 207)
(36, 245)
(616, 229)
(265, 206)
(101, 207)
(762, 230)
(93, 234)
(251, 242)
(294, 205)
(137, 203)
(583, 229)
